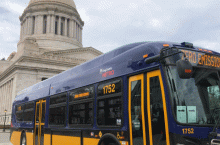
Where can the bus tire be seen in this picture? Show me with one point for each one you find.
(23, 139)
(108, 139)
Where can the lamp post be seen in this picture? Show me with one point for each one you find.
(4, 121)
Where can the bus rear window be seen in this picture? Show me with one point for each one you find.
(19, 112)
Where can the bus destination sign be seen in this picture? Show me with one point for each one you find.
(202, 59)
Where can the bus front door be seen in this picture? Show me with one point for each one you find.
(156, 110)
(147, 110)
(39, 122)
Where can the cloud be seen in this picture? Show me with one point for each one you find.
(207, 44)
(13, 7)
(103, 5)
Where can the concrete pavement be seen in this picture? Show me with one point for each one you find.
(4, 137)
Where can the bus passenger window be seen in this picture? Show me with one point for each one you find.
(81, 112)
(29, 112)
(57, 111)
(109, 111)
(109, 103)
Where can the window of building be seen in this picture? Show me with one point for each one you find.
(33, 25)
(19, 112)
(44, 78)
(29, 111)
(109, 103)
(68, 27)
(81, 106)
(56, 25)
(57, 109)
(45, 25)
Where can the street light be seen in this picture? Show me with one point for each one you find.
(4, 121)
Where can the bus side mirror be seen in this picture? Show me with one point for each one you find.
(184, 68)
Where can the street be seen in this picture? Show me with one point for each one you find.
(4, 137)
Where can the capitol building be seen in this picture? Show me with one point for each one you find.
(50, 43)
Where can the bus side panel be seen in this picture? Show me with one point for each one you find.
(67, 140)
(15, 137)
(29, 138)
(90, 141)
(47, 138)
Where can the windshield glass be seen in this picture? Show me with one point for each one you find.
(194, 100)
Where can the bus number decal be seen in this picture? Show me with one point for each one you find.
(109, 89)
(188, 131)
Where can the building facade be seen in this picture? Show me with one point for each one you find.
(50, 42)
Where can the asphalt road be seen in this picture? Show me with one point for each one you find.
(4, 137)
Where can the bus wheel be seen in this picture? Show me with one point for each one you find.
(23, 139)
(108, 139)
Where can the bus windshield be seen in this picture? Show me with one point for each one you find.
(194, 100)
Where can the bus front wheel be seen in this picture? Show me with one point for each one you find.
(108, 139)
(23, 138)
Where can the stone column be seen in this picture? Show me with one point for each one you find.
(74, 29)
(65, 28)
(58, 26)
(52, 30)
(30, 27)
(36, 25)
(24, 25)
(40, 25)
(48, 24)
(27, 25)
(21, 32)
(7, 95)
(14, 86)
(81, 34)
(71, 28)
(4, 96)
(1, 100)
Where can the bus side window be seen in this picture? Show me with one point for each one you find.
(57, 109)
(109, 103)
(29, 112)
(81, 105)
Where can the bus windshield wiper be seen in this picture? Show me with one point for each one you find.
(214, 131)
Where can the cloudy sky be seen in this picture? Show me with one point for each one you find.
(113, 23)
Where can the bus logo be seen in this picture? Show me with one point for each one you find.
(106, 72)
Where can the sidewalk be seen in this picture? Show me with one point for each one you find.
(6, 131)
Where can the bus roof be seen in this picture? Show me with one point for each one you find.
(124, 60)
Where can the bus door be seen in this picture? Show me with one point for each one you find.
(39, 122)
(156, 110)
(147, 116)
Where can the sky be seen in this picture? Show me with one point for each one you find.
(109, 24)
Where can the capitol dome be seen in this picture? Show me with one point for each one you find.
(52, 24)
(67, 2)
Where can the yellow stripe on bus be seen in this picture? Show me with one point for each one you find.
(47, 139)
(29, 138)
(90, 141)
(65, 140)
(15, 137)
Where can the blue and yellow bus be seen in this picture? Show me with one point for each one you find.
(147, 93)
